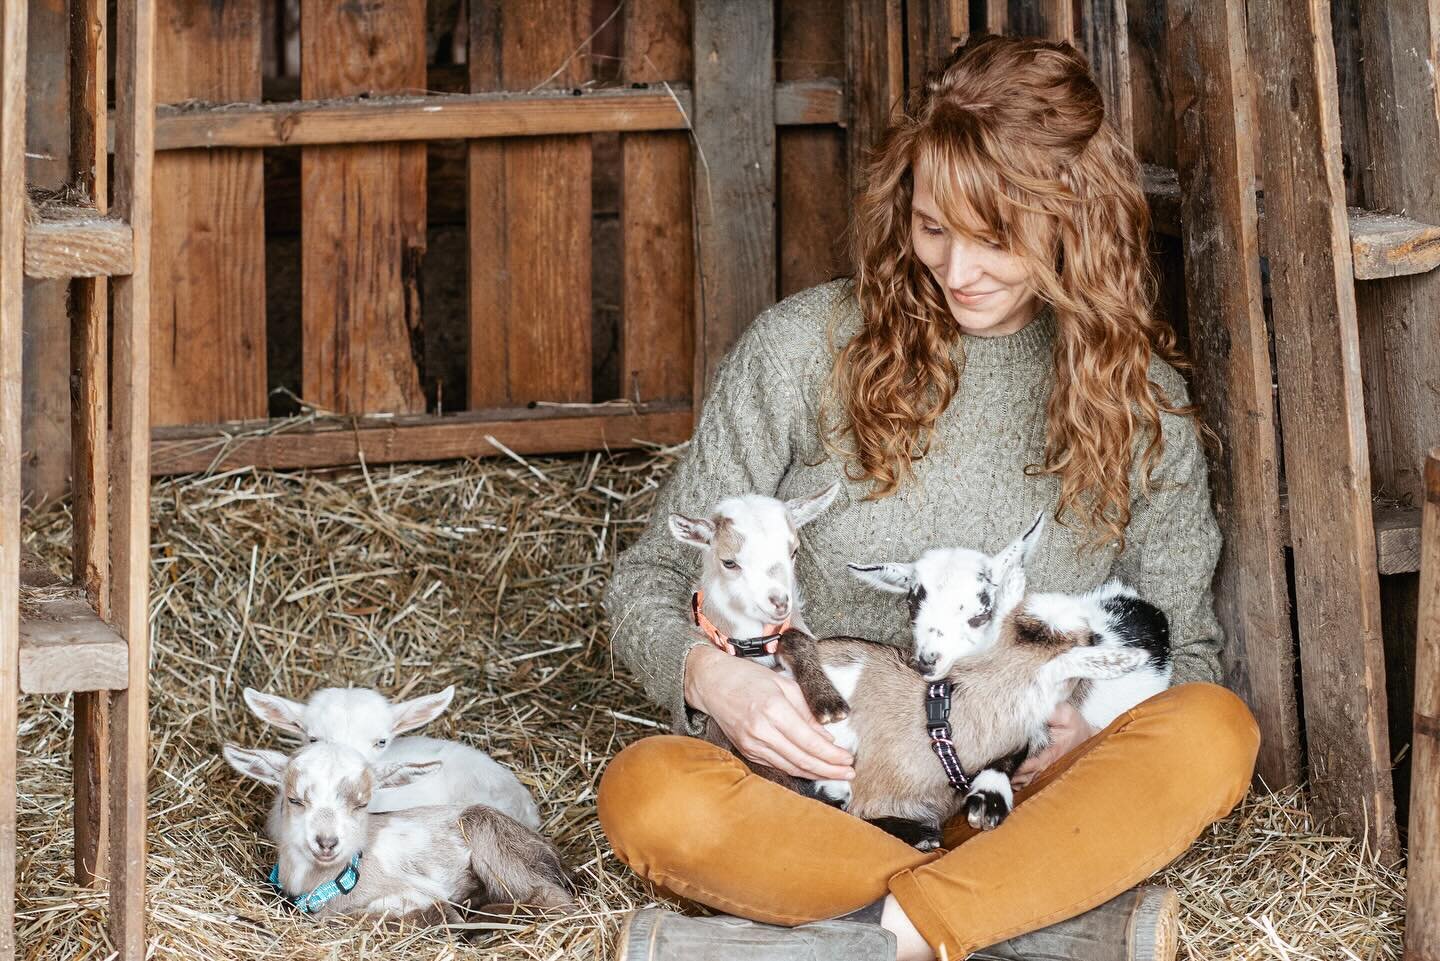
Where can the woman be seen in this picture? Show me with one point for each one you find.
(994, 354)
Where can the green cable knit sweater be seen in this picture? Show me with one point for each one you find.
(758, 433)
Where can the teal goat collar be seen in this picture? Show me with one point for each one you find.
(343, 883)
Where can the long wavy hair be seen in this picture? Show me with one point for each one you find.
(1015, 133)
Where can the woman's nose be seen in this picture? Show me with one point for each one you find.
(963, 268)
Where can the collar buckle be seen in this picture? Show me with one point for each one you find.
(937, 708)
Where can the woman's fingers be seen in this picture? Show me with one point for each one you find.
(794, 740)
(812, 736)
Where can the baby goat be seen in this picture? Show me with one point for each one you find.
(959, 600)
(423, 864)
(365, 721)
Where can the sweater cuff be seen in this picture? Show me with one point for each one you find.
(684, 719)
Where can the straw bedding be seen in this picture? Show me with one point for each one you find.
(486, 575)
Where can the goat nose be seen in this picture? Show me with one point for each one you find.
(780, 602)
(326, 843)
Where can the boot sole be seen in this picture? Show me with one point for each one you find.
(631, 933)
(1154, 929)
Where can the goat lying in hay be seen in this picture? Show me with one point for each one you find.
(1002, 668)
(422, 864)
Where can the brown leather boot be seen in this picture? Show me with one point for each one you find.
(1143, 924)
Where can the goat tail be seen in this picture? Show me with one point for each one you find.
(513, 863)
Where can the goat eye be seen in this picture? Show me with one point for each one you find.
(730, 565)
(296, 801)
(380, 744)
(314, 739)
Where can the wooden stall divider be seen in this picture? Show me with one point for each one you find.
(734, 60)
(89, 457)
(529, 220)
(130, 476)
(812, 198)
(1422, 892)
(875, 76)
(209, 301)
(362, 215)
(12, 281)
(1231, 377)
(657, 336)
(1327, 463)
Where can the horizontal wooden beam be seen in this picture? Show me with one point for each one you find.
(1397, 537)
(64, 645)
(77, 242)
(333, 441)
(1382, 245)
(467, 116)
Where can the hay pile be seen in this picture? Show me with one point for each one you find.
(486, 575)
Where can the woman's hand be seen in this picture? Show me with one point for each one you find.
(764, 715)
(1068, 730)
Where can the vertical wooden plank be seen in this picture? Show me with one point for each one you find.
(1337, 592)
(1106, 28)
(209, 230)
(875, 76)
(530, 202)
(1401, 48)
(1153, 115)
(46, 385)
(735, 176)
(933, 33)
(657, 336)
(90, 500)
(997, 16)
(363, 214)
(130, 475)
(12, 280)
(1214, 133)
(813, 207)
(1059, 20)
(1422, 893)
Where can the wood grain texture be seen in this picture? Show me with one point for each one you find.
(1337, 593)
(12, 300)
(208, 303)
(78, 246)
(997, 16)
(67, 647)
(130, 476)
(1154, 115)
(1232, 377)
(45, 383)
(89, 449)
(933, 29)
(363, 215)
(180, 450)
(813, 202)
(734, 44)
(468, 116)
(875, 75)
(530, 299)
(1400, 43)
(1105, 26)
(1422, 895)
(658, 322)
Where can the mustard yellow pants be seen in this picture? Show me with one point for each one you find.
(694, 820)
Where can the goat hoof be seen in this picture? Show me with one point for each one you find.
(928, 842)
(985, 810)
(831, 711)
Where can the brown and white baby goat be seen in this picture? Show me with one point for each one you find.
(424, 863)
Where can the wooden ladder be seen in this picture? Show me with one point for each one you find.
(92, 641)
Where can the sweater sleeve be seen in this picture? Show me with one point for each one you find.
(742, 444)
(1172, 547)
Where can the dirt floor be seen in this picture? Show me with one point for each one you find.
(486, 575)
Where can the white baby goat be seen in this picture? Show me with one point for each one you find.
(365, 721)
(423, 863)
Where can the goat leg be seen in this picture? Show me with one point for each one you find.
(801, 654)
(923, 835)
(991, 799)
(513, 863)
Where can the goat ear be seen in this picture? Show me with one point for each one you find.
(401, 774)
(1094, 663)
(691, 530)
(274, 710)
(264, 766)
(892, 578)
(419, 711)
(1018, 553)
(803, 510)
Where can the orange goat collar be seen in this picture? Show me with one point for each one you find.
(742, 647)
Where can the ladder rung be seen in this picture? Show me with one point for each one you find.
(77, 242)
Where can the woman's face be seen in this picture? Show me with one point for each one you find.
(986, 287)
